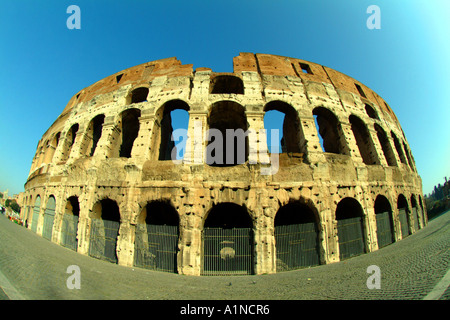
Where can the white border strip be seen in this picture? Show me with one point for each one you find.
(440, 288)
(9, 289)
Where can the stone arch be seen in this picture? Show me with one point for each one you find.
(290, 129)
(227, 135)
(385, 145)
(398, 148)
(227, 241)
(125, 133)
(69, 224)
(370, 111)
(296, 230)
(69, 141)
(49, 217)
(415, 212)
(385, 222)
(403, 215)
(36, 211)
(166, 117)
(51, 147)
(364, 141)
(137, 95)
(105, 222)
(157, 236)
(92, 135)
(226, 84)
(329, 131)
(350, 227)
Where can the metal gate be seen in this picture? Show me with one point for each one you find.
(35, 220)
(297, 246)
(49, 217)
(69, 232)
(403, 222)
(384, 229)
(227, 251)
(351, 239)
(156, 247)
(103, 239)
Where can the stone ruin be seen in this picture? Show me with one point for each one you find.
(104, 183)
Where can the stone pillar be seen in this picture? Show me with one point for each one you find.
(197, 139)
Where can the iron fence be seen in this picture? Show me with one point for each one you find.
(351, 239)
(156, 247)
(384, 229)
(103, 239)
(69, 229)
(227, 251)
(297, 246)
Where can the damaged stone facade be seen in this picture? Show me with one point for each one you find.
(111, 143)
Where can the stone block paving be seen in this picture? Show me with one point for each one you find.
(410, 269)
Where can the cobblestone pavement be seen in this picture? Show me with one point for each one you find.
(35, 268)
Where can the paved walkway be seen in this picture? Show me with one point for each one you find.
(415, 268)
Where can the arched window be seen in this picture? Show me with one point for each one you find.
(130, 130)
(105, 223)
(92, 135)
(385, 225)
(329, 131)
(371, 112)
(227, 241)
(156, 237)
(69, 227)
(403, 215)
(49, 217)
(172, 115)
(296, 237)
(399, 148)
(227, 135)
(284, 118)
(36, 210)
(51, 147)
(350, 227)
(138, 95)
(385, 146)
(226, 84)
(363, 140)
(69, 141)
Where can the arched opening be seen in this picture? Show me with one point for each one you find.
(403, 213)
(350, 227)
(36, 210)
(92, 135)
(227, 135)
(226, 84)
(284, 118)
(69, 141)
(296, 237)
(173, 115)
(138, 95)
(69, 225)
(415, 212)
(364, 141)
(383, 216)
(49, 217)
(398, 148)
(385, 146)
(422, 210)
(408, 156)
(130, 130)
(329, 131)
(156, 237)
(51, 148)
(371, 112)
(227, 241)
(105, 223)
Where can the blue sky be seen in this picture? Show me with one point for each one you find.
(43, 63)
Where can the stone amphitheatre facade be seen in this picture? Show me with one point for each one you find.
(103, 182)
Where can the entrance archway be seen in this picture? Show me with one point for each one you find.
(349, 216)
(227, 241)
(296, 237)
(383, 215)
(69, 225)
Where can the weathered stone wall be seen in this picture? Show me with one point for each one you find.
(62, 166)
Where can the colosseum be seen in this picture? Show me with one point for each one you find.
(104, 181)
